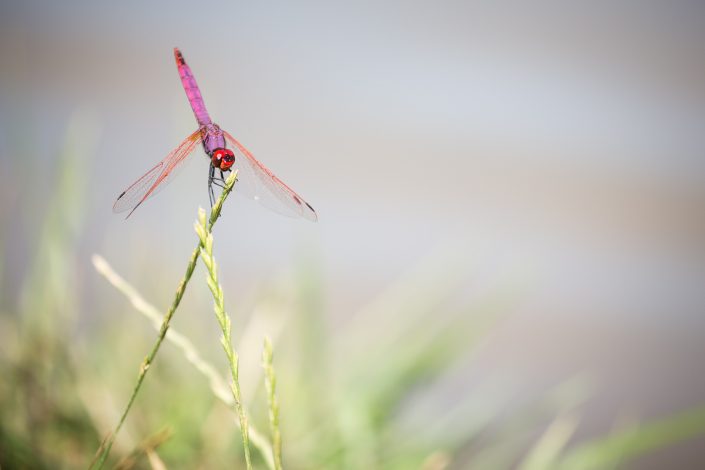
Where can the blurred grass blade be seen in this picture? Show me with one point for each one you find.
(625, 445)
(271, 386)
(145, 448)
(548, 449)
(44, 297)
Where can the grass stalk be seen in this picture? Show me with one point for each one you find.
(183, 343)
(206, 252)
(147, 447)
(107, 444)
(270, 381)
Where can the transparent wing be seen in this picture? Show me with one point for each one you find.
(156, 178)
(257, 182)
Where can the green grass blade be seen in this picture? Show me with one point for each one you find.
(106, 445)
(617, 448)
(215, 380)
(270, 381)
(206, 252)
(547, 450)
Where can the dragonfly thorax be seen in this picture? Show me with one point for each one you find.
(212, 138)
(222, 159)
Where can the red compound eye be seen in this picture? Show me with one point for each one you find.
(227, 162)
(223, 159)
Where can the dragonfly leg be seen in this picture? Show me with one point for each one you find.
(211, 195)
(219, 182)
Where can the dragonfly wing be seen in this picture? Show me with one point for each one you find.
(257, 182)
(156, 178)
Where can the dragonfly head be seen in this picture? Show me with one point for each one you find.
(223, 159)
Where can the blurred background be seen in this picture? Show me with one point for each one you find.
(508, 269)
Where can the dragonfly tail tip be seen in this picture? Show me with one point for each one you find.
(179, 58)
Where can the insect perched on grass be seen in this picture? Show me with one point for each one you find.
(254, 179)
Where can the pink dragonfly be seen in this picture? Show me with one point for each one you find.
(254, 179)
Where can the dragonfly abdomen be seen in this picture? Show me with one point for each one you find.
(192, 91)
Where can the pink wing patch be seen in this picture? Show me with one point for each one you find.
(257, 182)
(156, 178)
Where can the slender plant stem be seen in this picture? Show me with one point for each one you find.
(107, 444)
(218, 385)
(270, 381)
(225, 325)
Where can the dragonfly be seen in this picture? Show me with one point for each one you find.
(254, 179)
